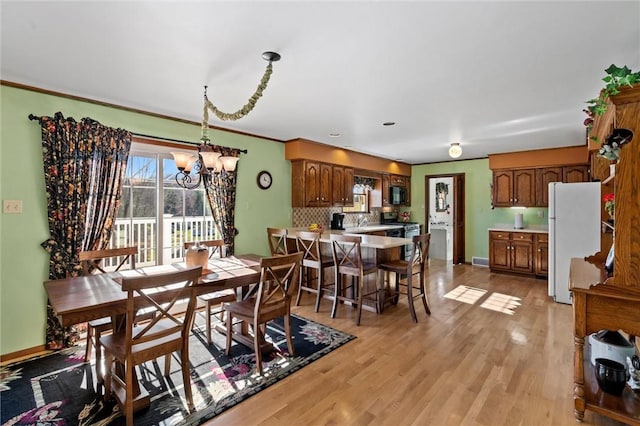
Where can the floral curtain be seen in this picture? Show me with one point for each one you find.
(222, 199)
(84, 165)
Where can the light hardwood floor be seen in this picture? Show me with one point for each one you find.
(465, 364)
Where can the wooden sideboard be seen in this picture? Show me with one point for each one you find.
(612, 303)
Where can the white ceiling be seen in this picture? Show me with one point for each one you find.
(494, 76)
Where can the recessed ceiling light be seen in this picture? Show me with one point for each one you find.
(334, 135)
(389, 123)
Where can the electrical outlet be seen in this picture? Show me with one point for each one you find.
(12, 206)
(540, 214)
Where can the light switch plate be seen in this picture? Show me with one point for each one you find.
(12, 206)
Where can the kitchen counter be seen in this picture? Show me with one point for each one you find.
(368, 241)
(539, 229)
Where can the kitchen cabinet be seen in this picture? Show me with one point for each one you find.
(530, 187)
(566, 174)
(572, 174)
(511, 252)
(601, 302)
(407, 202)
(342, 184)
(541, 253)
(514, 188)
(386, 180)
(311, 184)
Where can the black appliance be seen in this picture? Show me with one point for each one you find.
(397, 195)
(409, 229)
(338, 221)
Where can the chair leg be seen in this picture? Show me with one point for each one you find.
(336, 292)
(229, 332)
(410, 298)
(128, 404)
(300, 281)
(425, 301)
(167, 365)
(320, 282)
(186, 377)
(208, 319)
(87, 353)
(287, 331)
(257, 331)
(360, 299)
(108, 359)
(98, 349)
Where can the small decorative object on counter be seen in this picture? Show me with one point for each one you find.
(197, 255)
(405, 216)
(609, 204)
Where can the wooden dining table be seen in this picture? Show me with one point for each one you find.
(80, 299)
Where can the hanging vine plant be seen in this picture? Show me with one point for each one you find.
(616, 77)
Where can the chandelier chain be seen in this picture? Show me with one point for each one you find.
(246, 109)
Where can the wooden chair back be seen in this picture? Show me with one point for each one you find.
(308, 243)
(161, 291)
(419, 254)
(92, 260)
(217, 248)
(277, 241)
(347, 254)
(278, 280)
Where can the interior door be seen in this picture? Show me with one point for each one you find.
(458, 213)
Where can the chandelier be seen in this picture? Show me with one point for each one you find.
(208, 161)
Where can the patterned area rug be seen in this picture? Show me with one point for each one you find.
(59, 388)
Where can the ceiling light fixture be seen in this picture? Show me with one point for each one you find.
(389, 123)
(208, 161)
(455, 150)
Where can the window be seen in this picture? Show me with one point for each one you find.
(155, 212)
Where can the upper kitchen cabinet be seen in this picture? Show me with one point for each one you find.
(514, 188)
(311, 184)
(342, 194)
(566, 174)
(386, 184)
(522, 178)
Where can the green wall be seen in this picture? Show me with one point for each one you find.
(479, 216)
(24, 264)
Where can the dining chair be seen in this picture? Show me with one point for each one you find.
(166, 333)
(278, 275)
(277, 241)
(347, 257)
(92, 262)
(213, 301)
(410, 274)
(314, 262)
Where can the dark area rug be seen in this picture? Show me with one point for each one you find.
(60, 388)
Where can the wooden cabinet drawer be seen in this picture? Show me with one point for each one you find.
(521, 236)
(542, 238)
(499, 235)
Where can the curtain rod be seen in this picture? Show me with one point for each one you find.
(244, 151)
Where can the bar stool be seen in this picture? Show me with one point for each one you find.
(277, 241)
(312, 260)
(347, 257)
(213, 301)
(409, 269)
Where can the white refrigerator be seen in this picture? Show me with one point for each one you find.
(574, 230)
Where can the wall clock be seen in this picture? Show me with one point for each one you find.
(264, 179)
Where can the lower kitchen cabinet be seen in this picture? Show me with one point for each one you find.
(542, 254)
(512, 252)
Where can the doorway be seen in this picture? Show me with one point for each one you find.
(444, 196)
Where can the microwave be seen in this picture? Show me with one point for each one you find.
(397, 195)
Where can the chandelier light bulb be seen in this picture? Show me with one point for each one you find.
(455, 150)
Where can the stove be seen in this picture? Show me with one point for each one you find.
(409, 229)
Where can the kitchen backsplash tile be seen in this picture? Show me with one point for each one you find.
(322, 216)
